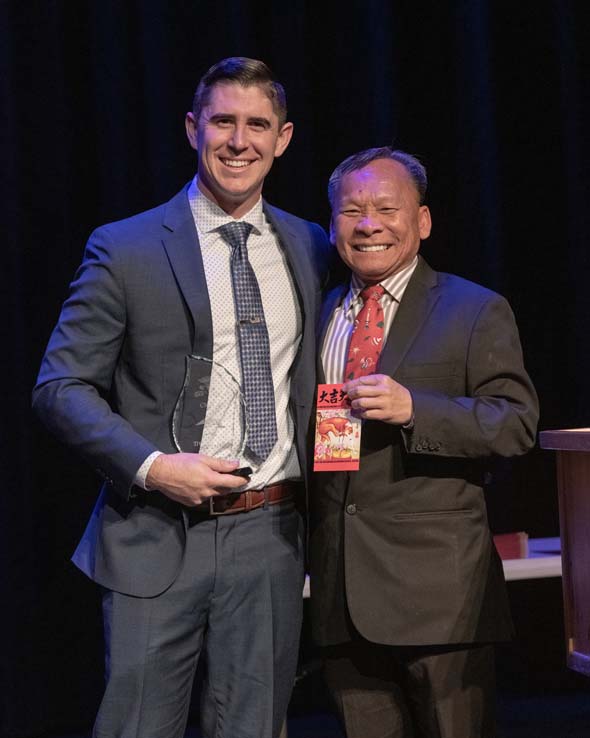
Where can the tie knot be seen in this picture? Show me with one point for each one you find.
(372, 292)
(236, 234)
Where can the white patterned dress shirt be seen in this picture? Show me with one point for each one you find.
(284, 323)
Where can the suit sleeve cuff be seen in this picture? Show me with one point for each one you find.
(409, 426)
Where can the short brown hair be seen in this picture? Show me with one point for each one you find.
(245, 72)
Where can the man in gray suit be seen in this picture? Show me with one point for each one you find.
(195, 560)
(407, 588)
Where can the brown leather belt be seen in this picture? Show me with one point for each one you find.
(248, 500)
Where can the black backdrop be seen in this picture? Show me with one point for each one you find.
(492, 96)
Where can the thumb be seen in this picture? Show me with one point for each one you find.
(220, 465)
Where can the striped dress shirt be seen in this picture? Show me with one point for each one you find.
(337, 338)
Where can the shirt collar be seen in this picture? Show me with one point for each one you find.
(394, 286)
(209, 216)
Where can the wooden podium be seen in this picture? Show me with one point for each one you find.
(573, 485)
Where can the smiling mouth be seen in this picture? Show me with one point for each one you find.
(236, 163)
(371, 247)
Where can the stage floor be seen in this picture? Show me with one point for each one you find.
(540, 716)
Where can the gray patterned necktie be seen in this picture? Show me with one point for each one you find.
(254, 344)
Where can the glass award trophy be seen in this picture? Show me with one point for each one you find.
(208, 384)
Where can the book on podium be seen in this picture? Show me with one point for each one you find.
(512, 545)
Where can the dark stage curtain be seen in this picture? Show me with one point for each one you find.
(492, 96)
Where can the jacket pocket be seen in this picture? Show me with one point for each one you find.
(427, 514)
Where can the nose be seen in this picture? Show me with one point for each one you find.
(367, 225)
(239, 138)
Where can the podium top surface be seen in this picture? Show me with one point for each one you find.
(569, 439)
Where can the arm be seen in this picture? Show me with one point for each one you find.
(73, 391)
(77, 370)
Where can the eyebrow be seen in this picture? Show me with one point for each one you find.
(260, 121)
(383, 201)
(265, 122)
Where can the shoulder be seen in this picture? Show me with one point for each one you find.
(139, 237)
(139, 221)
(295, 223)
(457, 289)
(469, 306)
(466, 289)
(147, 224)
(306, 234)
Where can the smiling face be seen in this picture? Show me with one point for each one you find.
(237, 138)
(377, 221)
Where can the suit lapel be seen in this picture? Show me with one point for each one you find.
(182, 247)
(295, 243)
(290, 238)
(417, 303)
(331, 301)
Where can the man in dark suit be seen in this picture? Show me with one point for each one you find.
(407, 588)
(194, 560)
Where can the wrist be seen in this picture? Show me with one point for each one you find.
(408, 423)
(156, 472)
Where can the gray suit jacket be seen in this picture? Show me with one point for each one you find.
(401, 549)
(115, 365)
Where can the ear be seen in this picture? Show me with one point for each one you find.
(332, 231)
(191, 129)
(284, 138)
(424, 222)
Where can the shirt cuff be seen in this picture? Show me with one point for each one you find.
(142, 472)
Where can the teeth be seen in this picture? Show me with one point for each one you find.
(373, 247)
(236, 163)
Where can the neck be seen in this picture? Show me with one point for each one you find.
(234, 207)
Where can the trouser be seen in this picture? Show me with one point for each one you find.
(237, 602)
(412, 692)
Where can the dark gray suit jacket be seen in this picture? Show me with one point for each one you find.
(401, 549)
(115, 366)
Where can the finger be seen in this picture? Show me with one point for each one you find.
(370, 382)
(363, 407)
(359, 381)
(371, 379)
(371, 401)
(367, 391)
(219, 465)
(373, 414)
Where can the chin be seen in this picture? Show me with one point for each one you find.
(371, 278)
(374, 274)
(234, 192)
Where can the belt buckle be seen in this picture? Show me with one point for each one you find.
(212, 510)
(212, 500)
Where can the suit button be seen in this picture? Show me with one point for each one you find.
(418, 447)
(351, 509)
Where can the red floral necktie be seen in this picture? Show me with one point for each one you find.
(366, 340)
